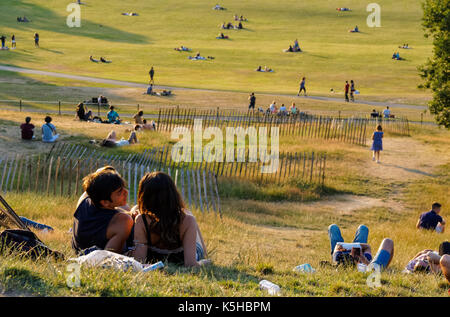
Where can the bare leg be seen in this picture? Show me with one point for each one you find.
(112, 136)
(445, 266)
(385, 253)
(133, 138)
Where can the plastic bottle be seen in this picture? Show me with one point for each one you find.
(153, 267)
(304, 268)
(271, 288)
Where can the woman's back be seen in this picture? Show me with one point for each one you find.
(378, 136)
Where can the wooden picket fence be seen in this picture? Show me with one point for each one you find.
(52, 174)
(392, 125)
(350, 130)
(308, 166)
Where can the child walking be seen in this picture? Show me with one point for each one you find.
(377, 144)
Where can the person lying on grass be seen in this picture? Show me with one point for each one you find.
(164, 229)
(111, 139)
(100, 218)
(149, 126)
(431, 220)
(182, 49)
(359, 251)
(222, 36)
(355, 30)
(93, 59)
(428, 260)
(103, 60)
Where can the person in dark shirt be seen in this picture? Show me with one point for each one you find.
(27, 129)
(252, 99)
(431, 220)
(151, 73)
(98, 220)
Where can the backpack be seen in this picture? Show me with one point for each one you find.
(26, 242)
(22, 240)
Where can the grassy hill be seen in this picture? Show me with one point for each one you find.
(330, 54)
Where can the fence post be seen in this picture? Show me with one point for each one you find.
(20, 105)
(59, 107)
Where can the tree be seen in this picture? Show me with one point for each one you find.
(436, 71)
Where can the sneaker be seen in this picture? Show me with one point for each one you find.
(373, 158)
(378, 162)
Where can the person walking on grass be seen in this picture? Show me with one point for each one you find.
(3, 38)
(347, 87)
(352, 90)
(36, 40)
(151, 73)
(302, 87)
(377, 144)
(13, 41)
(252, 100)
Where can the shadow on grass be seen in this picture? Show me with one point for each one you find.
(23, 281)
(45, 19)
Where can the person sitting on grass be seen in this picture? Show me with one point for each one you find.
(273, 107)
(100, 218)
(374, 114)
(113, 116)
(164, 229)
(293, 109)
(138, 117)
(27, 129)
(240, 26)
(259, 69)
(355, 30)
(150, 90)
(267, 69)
(49, 134)
(428, 260)
(283, 110)
(431, 220)
(111, 139)
(359, 251)
(83, 113)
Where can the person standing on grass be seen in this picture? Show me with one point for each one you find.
(352, 90)
(151, 73)
(252, 100)
(27, 129)
(13, 41)
(36, 39)
(302, 87)
(347, 87)
(101, 218)
(431, 220)
(49, 134)
(377, 144)
(3, 38)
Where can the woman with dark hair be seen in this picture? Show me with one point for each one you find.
(82, 112)
(165, 230)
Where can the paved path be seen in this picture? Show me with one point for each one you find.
(138, 85)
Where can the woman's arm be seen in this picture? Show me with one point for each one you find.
(189, 242)
(140, 240)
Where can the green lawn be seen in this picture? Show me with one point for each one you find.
(331, 54)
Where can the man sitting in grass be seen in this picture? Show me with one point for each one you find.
(113, 116)
(98, 220)
(359, 252)
(27, 129)
(431, 220)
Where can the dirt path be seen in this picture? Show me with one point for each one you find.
(138, 85)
